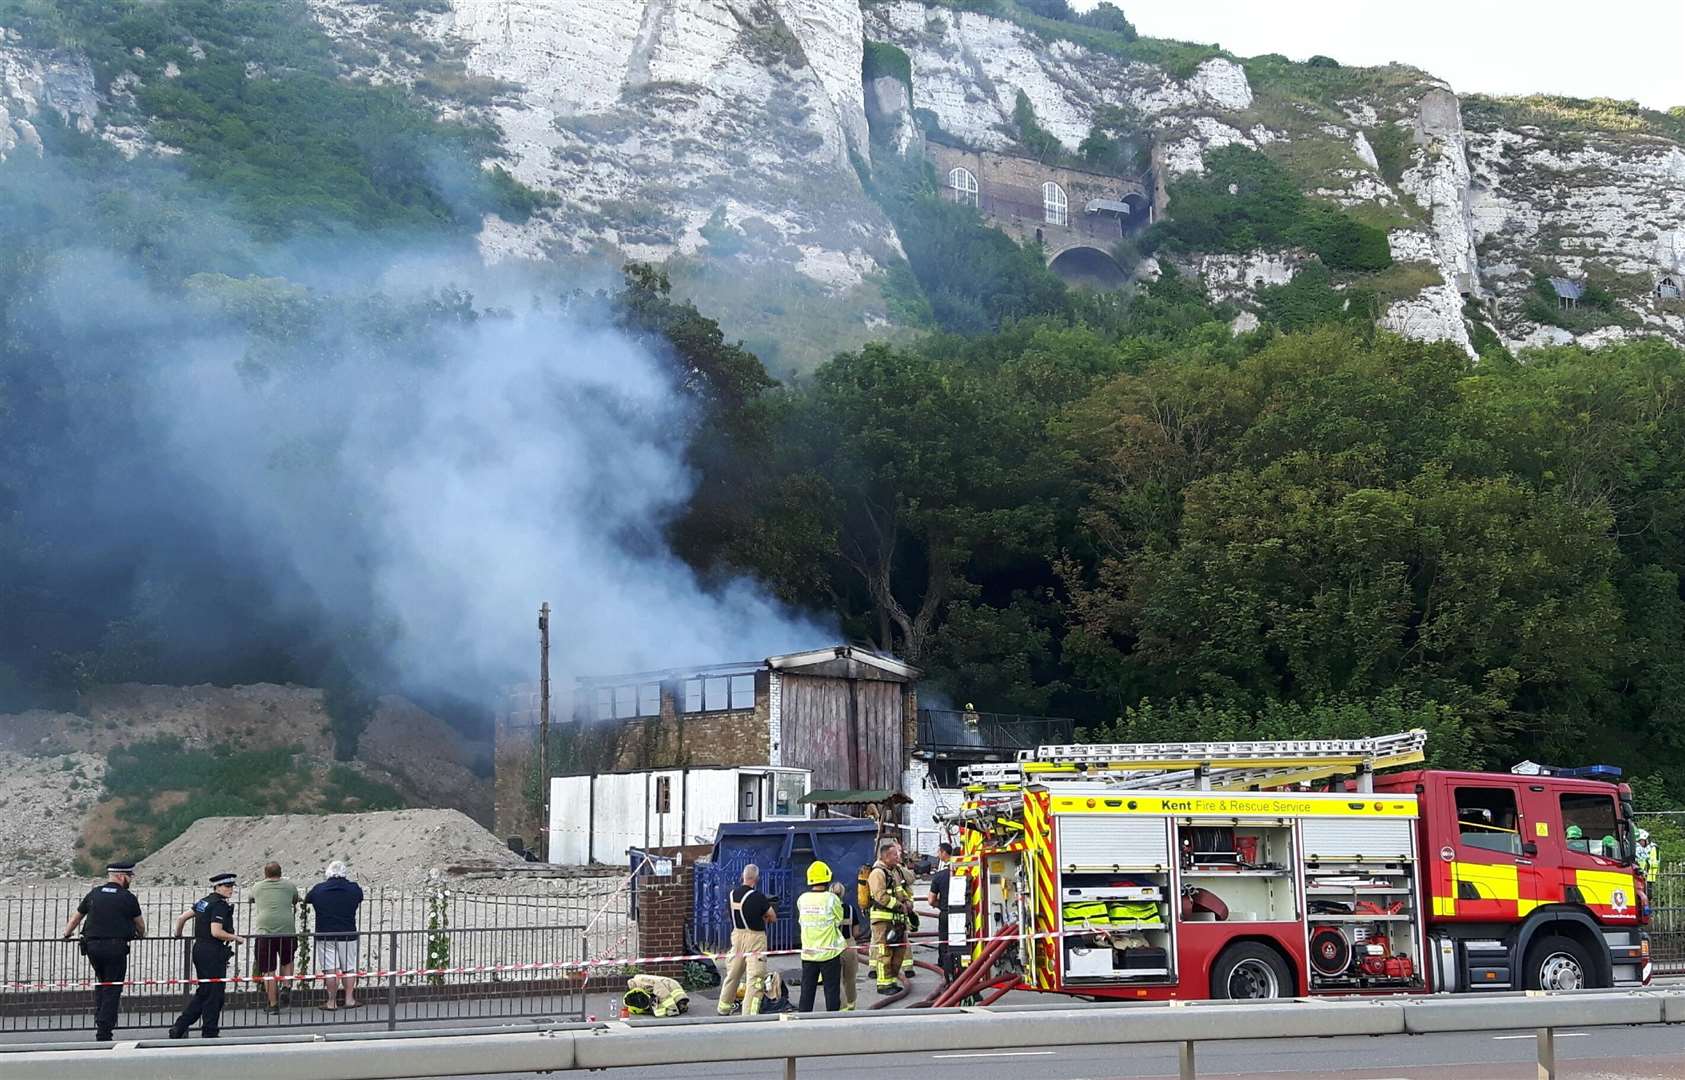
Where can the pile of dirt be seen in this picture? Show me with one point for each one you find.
(393, 847)
(42, 800)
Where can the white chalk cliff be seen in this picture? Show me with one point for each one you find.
(728, 132)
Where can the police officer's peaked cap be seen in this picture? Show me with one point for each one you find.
(221, 879)
(120, 868)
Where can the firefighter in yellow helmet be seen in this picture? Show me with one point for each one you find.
(891, 907)
(821, 917)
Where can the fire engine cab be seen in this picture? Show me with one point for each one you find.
(1279, 869)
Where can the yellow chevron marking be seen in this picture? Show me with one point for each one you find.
(1490, 882)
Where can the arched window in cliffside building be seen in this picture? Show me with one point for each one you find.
(1668, 289)
(1055, 207)
(964, 187)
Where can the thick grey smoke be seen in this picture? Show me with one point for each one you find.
(435, 492)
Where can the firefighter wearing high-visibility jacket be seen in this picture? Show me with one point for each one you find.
(1649, 860)
(821, 916)
(891, 905)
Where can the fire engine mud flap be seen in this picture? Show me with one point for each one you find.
(1526, 1011)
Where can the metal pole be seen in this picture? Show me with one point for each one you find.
(1185, 1060)
(544, 729)
(1547, 1054)
(392, 980)
(789, 1069)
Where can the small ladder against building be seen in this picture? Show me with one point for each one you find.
(1206, 766)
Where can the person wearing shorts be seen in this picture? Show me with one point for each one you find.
(335, 901)
(274, 902)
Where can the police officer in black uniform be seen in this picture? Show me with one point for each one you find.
(112, 919)
(213, 944)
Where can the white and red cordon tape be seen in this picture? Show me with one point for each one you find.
(584, 967)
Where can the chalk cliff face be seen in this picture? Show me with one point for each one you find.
(697, 129)
(718, 135)
(32, 82)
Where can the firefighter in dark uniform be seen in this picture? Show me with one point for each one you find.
(213, 944)
(110, 918)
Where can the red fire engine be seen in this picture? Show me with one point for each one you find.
(1276, 869)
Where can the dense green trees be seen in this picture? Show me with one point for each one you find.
(1325, 531)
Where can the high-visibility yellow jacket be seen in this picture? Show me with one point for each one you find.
(821, 916)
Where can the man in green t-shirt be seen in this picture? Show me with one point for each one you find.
(273, 900)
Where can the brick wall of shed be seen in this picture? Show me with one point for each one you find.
(663, 913)
(676, 740)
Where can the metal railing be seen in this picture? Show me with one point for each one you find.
(404, 976)
(642, 1044)
(969, 732)
(551, 929)
(1667, 919)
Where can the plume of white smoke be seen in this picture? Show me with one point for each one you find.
(534, 453)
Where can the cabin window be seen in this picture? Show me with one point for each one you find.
(1053, 203)
(964, 186)
(1588, 825)
(1486, 819)
(787, 792)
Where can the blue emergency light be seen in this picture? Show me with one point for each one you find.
(1610, 773)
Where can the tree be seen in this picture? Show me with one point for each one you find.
(1108, 16)
(930, 465)
(1050, 9)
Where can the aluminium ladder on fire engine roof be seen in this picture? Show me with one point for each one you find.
(1207, 766)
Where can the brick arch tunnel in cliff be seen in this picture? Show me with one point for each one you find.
(1077, 215)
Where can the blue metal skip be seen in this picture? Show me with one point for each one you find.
(783, 850)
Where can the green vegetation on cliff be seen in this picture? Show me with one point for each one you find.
(250, 91)
(1245, 201)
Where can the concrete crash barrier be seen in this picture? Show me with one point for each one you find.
(988, 1029)
(565, 1047)
(322, 1059)
(1506, 1012)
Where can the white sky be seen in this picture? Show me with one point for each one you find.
(1580, 48)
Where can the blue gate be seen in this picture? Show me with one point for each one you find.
(711, 904)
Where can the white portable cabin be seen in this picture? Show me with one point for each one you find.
(596, 817)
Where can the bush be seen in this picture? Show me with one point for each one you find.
(1037, 141)
(1311, 299)
(1320, 61)
(1392, 144)
(1246, 201)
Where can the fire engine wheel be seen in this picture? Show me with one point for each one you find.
(1249, 970)
(1559, 963)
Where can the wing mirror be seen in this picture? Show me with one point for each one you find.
(1529, 848)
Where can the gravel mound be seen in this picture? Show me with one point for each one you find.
(42, 800)
(392, 847)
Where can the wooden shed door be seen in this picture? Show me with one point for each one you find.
(849, 734)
